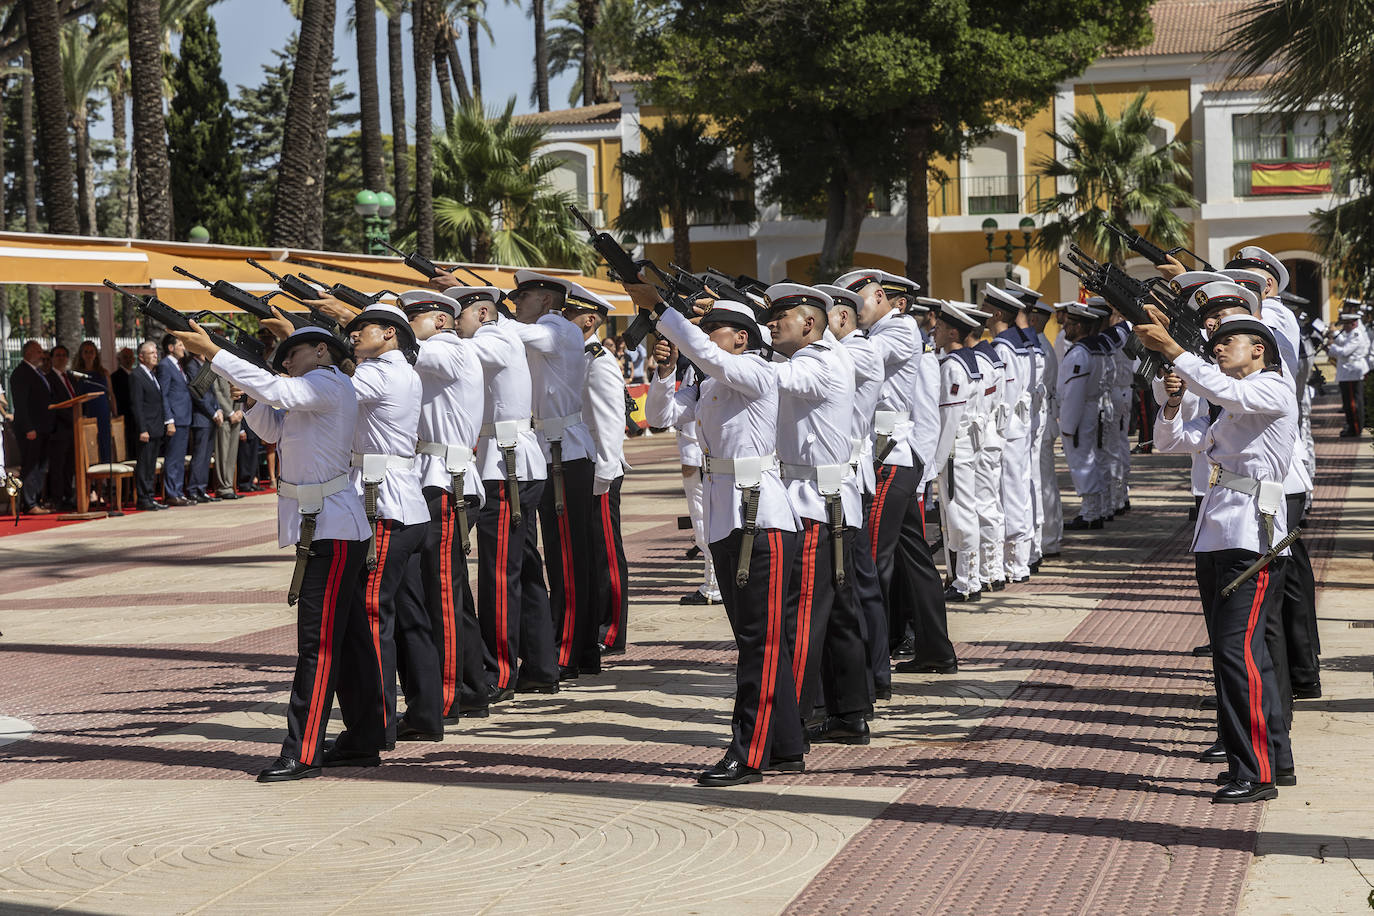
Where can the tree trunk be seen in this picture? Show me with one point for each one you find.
(369, 101)
(30, 185)
(474, 53)
(300, 165)
(541, 56)
(682, 239)
(445, 86)
(400, 148)
(55, 152)
(455, 63)
(845, 212)
(121, 152)
(422, 38)
(4, 213)
(85, 172)
(323, 103)
(150, 127)
(917, 142)
(588, 12)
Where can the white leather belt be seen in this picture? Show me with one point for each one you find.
(885, 421)
(375, 467)
(554, 427)
(1269, 493)
(505, 431)
(748, 472)
(457, 458)
(310, 497)
(856, 449)
(827, 477)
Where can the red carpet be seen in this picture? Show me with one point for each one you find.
(30, 523)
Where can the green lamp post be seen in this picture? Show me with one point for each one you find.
(1008, 247)
(375, 208)
(199, 234)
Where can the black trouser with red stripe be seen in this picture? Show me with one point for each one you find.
(866, 595)
(328, 619)
(1250, 717)
(512, 600)
(810, 598)
(568, 559)
(765, 724)
(919, 596)
(1352, 402)
(1300, 607)
(845, 673)
(440, 580)
(610, 592)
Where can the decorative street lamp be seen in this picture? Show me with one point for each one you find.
(199, 234)
(1008, 247)
(375, 207)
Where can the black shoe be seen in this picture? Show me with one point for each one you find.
(1307, 693)
(1035, 567)
(466, 711)
(839, 730)
(500, 694)
(1020, 580)
(229, 496)
(1203, 651)
(610, 650)
(1281, 778)
(1348, 433)
(1192, 514)
(953, 594)
(870, 715)
(696, 597)
(692, 552)
(1079, 523)
(1050, 556)
(786, 765)
(348, 757)
(285, 769)
(883, 693)
(915, 667)
(1125, 507)
(1214, 754)
(147, 507)
(1208, 702)
(406, 732)
(524, 686)
(729, 772)
(905, 647)
(1242, 790)
(998, 585)
(1095, 524)
(200, 498)
(179, 501)
(565, 673)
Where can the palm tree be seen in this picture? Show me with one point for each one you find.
(89, 59)
(541, 55)
(472, 12)
(400, 147)
(593, 51)
(684, 173)
(448, 66)
(369, 101)
(1118, 176)
(150, 128)
(297, 207)
(423, 17)
(26, 133)
(494, 201)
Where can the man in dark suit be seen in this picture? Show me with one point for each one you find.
(62, 443)
(119, 381)
(149, 415)
(205, 416)
(30, 394)
(176, 394)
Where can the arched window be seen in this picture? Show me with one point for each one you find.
(993, 272)
(572, 174)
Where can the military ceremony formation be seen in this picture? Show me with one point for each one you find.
(855, 456)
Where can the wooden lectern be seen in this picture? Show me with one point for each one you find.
(82, 460)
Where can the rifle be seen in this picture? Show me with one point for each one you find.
(159, 311)
(1129, 296)
(290, 284)
(742, 283)
(626, 269)
(1152, 252)
(240, 299)
(347, 294)
(301, 293)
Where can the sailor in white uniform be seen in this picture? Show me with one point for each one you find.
(990, 435)
(1078, 390)
(1018, 513)
(961, 393)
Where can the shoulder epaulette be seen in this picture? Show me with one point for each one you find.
(594, 348)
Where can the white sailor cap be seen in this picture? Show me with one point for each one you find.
(957, 316)
(1028, 296)
(1185, 284)
(1225, 294)
(841, 297)
(856, 280)
(1085, 310)
(1062, 306)
(924, 305)
(783, 296)
(418, 301)
(895, 285)
(1349, 316)
(384, 314)
(458, 297)
(581, 299)
(1256, 258)
(310, 334)
(735, 315)
(1001, 299)
(533, 279)
(1248, 277)
(1247, 324)
(1293, 300)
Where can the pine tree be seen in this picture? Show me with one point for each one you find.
(207, 181)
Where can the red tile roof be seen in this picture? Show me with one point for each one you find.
(608, 111)
(1189, 26)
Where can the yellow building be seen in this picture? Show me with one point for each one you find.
(1257, 180)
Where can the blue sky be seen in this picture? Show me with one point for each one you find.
(250, 30)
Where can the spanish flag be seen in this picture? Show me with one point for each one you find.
(1290, 177)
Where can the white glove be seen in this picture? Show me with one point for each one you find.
(601, 486)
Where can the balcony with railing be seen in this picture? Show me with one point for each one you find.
(1281, 156)
(987, 195)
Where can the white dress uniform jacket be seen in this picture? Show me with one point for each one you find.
(736, 409)
(311, 419)
(1254, 436)
(1349, 349)
(868, 381)
(388, 419)
(502, 355)
(815, 406)
(452, 401)
(925, 410)
(603, 407)
(896, 339)
(558, 368)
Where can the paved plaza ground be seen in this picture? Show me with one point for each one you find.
(145, 663)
